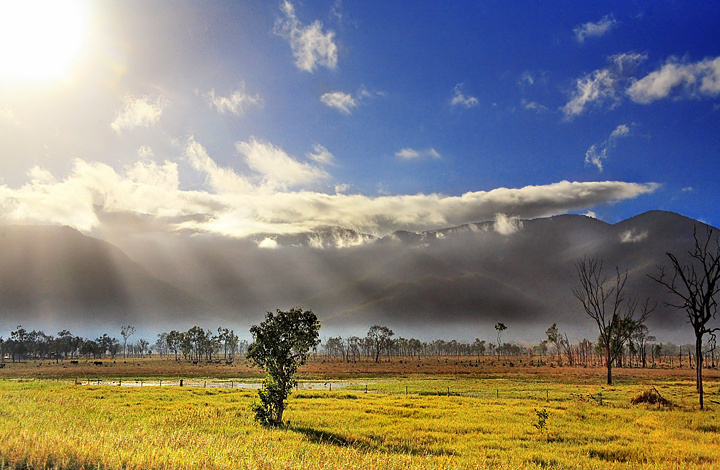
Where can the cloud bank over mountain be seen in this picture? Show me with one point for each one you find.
(278, 193)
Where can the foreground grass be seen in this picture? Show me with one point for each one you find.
(60, 425)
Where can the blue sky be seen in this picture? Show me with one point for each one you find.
(241, 118)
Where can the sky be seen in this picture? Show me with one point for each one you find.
(262, 117)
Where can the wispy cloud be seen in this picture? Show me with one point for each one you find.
(695, 79)
(601, 87)
(277, 167)
(597, 29)
(310, 45)
(597, 153)
(321, 155)
(343, 102)
(533, 106)
(459, 98)
(410, 154)
(236, 103)
(138, 112)
(94, 196)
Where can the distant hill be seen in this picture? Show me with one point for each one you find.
(58, 276)
(456, 281)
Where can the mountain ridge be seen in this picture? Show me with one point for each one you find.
(454, 279)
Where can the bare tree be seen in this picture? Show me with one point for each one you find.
(380, 338)
(694, 285)
(604, 301)
(126, 332)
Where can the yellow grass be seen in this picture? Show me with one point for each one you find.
(47, 424)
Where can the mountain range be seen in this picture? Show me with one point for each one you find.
(454, 282)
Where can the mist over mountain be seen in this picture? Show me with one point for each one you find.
(456, 282)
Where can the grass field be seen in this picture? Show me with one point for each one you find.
(407, 420)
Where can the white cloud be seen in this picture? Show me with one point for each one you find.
(310, 45)
(630, 236)
(620, 131)
(268, 242)
(95, 197)
(409, 154)
(460, 99)
(505, 225)
(145, 151)
(697, 79)
(343, 102)
(138, 112)
(596, 154)
(321, 155)
(222, 180)
(601, 86)
(236, 103)
(277, 167)
(598, 29)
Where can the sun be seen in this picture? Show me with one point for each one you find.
(39, 39)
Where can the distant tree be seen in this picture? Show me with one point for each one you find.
(126, 332)
(380, 339)
(228, 341)
(353, 344)
(500, 327)
(479, 347)
(604, 301)
(694, 284)
(173, 340)
(281, 344)
(553, 336)
(18, 343)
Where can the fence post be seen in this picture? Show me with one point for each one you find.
(181, 382)
(448, 391)
(547, 395)
(365, 388)
(497, 393)
(406, 391)
(331, 386)
(120, 383)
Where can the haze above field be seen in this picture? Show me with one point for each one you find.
(213, 133)
(451, 283)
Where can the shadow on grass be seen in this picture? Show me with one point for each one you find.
(370, 445)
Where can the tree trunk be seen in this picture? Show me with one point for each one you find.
(698, 367)
(608, 363)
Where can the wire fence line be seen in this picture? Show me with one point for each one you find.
(537, 394)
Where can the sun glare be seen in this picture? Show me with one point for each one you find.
(39, 39)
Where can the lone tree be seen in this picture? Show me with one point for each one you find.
(126, 332)
(281, 344)
(605, 302)
(694, 285)
(500, 327)
(381, 339)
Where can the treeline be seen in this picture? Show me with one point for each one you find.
(195, 344)
(641, 350)
(200, 345)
